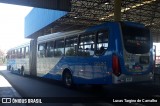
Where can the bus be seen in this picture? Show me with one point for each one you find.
(18, 58)
(109, 53)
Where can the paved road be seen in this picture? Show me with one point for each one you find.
(35, 87)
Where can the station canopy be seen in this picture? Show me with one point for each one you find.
(85, 13)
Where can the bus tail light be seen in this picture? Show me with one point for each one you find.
(116, 65)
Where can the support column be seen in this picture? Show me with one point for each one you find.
(33, 57)
(117, 10)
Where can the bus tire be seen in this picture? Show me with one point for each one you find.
(12, 69)
(9, 67)
(67, 79)
(19, 71)
(22, 71)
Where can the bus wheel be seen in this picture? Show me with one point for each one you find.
(9, 67)
(67, 79)
(22, 71)
(12, 69)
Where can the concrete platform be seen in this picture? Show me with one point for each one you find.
(6, 90)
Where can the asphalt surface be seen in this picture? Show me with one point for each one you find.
(55, 92)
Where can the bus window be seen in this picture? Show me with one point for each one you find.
(42, 49)
(135, 37)
(22, 52)
(8, 55)
(50, 49)
(59, 47)
(19, 53)
(12, 54)
(16, 53)
(102, 42)
(70, 47)
(27, 52)
(86, 44)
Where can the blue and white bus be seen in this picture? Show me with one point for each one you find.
(110, 53)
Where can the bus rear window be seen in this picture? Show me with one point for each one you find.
(136, 39)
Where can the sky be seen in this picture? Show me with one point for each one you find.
(12, 25)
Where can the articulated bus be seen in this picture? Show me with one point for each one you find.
(110, 53)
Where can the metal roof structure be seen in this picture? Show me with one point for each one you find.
(63, 5)
(85, 13)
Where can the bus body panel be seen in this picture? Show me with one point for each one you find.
(91, 70)
(132, 69)
(87, 69)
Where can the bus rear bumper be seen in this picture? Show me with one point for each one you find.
(132, 78)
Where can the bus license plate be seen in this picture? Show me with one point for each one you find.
(129, 79)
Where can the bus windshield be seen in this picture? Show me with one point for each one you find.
(136, 39)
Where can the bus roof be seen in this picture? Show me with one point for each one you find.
(58, 35)
(20, 46)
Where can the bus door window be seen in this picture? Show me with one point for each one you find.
(42, 49)
(71, 45)
(50, 49)
(59, 48)
(86, 44)
(102, 42)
